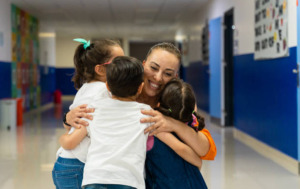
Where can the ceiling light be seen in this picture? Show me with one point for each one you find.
(45, 34)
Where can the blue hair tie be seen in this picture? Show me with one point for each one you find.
(85, 43)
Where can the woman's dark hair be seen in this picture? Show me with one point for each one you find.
(169, 47)
(124, 76)
(85, 60)
(177, 100)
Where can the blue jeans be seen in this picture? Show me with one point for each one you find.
(67, 173)
(106, 186)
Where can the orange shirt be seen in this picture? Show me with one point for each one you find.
(212, 152)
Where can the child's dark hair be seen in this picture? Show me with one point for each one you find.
(124, 76)
(177, 100)
(85, 60)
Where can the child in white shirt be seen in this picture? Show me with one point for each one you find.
(117, 152)
(90, 61)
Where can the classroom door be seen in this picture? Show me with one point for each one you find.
(215, 56)
(227, 108)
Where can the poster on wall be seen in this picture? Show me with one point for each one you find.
(25, 55)
(271, 29)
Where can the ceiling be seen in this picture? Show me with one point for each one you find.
(132, 19)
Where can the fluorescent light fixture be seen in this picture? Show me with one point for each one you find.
(45, 34)
(180, 37)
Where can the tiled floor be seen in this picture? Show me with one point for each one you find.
(27, 155)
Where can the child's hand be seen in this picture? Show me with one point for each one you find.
(160, 122)
(74, 116)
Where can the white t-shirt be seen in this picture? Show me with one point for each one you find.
(87, 94)
(118, 144)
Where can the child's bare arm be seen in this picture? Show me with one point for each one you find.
(183, 150)
(70, 141)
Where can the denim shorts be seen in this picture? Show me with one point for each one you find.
(67, 173)
(106, 186)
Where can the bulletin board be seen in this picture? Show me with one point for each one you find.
(25, 57)
(271, 24)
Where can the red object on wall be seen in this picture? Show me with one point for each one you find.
(57, 96)
(19, 111)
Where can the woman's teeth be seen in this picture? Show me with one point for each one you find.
(154, 85)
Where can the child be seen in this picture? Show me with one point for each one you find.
(164, 167)
(89, 78)
(117, 152)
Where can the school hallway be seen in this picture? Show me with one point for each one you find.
(28, 154)
(242, 58)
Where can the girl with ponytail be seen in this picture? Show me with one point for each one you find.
(177, 100)
(170, 164)
(90, 61)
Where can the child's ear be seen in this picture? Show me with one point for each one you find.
(140, 89)
(107, 86)
(144, 62)
(100, 70)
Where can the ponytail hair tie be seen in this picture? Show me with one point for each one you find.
(85, 43)
(170, 110)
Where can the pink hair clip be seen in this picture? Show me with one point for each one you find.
(106, 63)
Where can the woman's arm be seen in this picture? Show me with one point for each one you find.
(70, 141)
(196, 140)
(180, 148)
(73, 117)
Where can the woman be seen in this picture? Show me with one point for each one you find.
(161, 65)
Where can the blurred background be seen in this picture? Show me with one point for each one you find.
(241, 57)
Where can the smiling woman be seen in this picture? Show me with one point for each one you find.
(161, 65)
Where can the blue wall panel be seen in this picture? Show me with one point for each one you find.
(63, 81)
(48, 84)
(215, 48)
(298, 90)
(265, 100)
(197, 75)
(5, 80)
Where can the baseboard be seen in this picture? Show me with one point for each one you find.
(269, 152)
(67, 97)
(214, 120)
(40, 109)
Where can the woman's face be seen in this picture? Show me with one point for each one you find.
(159, 68)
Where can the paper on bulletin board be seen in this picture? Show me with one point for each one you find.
(271, 24)
(1, 39)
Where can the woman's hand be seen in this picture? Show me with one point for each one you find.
(196, 140)
(74, 116)
(160, 122)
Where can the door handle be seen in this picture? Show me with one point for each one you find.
(296, 71)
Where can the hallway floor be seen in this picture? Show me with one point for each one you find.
(27, 155)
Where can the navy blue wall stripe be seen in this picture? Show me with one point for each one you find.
(265, 100)
(5, 80)
(63, 81)
(47, 83)
(197, 75)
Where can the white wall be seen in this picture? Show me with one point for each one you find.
(65, 49)
(47, 44)
(243, 20)
(47, 51)
(5, 30)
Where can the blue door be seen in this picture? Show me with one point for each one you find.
(215, 59)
